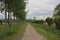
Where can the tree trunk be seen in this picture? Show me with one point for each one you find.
(5, 14)
(9, 18)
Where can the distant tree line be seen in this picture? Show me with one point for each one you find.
(50, 21)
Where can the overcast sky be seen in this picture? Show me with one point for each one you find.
(41, 8)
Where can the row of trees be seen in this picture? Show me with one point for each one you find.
(54, 20)
(49, 21)
(15, 6)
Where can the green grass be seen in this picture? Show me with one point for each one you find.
(10, 33)
(49, 32)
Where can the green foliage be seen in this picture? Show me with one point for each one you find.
(7, 33)
(57, 21)
(16, 6)
(58, 10)
(49, 32)
(49, 21)
(57, 7)
(19, 8)
(57, 18)
(38, 21)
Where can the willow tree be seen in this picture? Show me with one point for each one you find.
(57, 16)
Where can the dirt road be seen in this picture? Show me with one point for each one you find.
(31, 34)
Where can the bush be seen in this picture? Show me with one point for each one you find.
(39, 21)
(57, 21)
(49, 21)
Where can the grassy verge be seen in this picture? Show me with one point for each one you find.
(10, 33)
(49, 32)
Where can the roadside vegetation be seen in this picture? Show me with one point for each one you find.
(11, 26)
(50, 27)
(49, 32)
(10, 33)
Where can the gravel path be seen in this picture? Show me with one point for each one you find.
(31, 34)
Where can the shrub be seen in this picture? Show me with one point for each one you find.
(49, 21)
(57, 21)
(36, 21)
(39, 21)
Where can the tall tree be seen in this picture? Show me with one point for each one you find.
(57, 10)
(16, 6)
